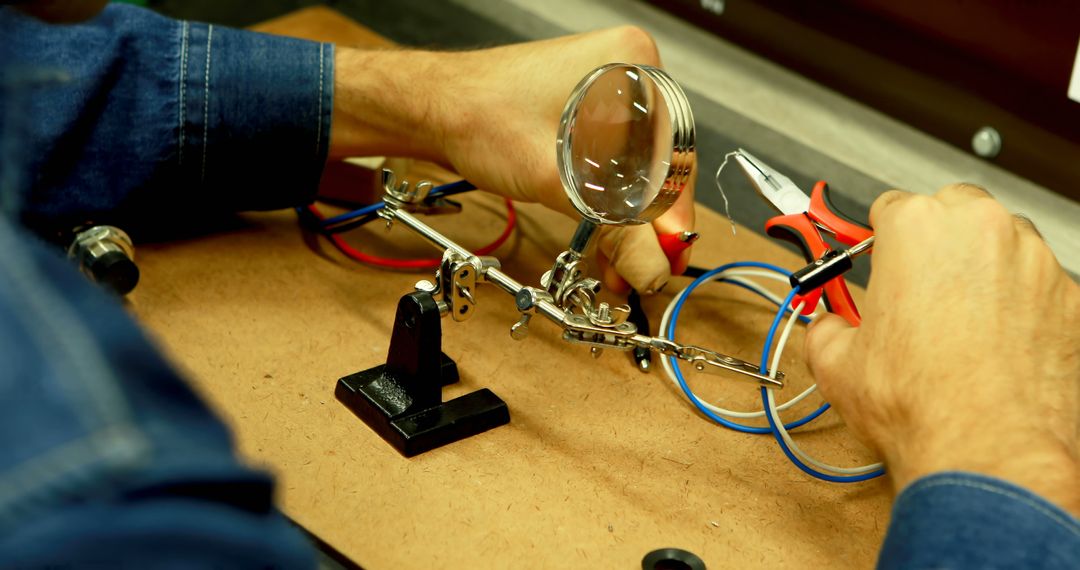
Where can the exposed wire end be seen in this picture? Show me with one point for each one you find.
(720, 187)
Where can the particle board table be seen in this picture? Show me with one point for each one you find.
(600, 463)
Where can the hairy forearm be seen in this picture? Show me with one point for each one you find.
(389, 102)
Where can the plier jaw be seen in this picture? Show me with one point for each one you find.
(803, 219)
(779, 190)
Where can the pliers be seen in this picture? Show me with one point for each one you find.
(802, 221)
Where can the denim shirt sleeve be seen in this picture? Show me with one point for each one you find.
(107, 458)
(157, 118)
(964, 520)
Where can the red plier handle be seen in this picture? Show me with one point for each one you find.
(804, 230)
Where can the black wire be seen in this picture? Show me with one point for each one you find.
(308, 221)
(694, 272)
(452, 191)
(643, 356)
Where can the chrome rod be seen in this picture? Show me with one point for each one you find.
(491, 274)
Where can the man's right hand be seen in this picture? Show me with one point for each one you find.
(968, 356)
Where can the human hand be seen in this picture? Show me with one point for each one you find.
(493, 115)
(968, 355)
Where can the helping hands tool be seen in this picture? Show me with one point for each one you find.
(625, 152)
(803, 219)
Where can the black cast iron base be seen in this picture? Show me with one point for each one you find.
(402, 399)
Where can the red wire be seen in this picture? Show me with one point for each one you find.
(357, 255)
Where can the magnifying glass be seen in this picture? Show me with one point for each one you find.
(625, 150)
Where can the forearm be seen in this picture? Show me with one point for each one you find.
(390, 102)
(491, 114)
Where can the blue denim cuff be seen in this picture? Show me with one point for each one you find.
(966, 520)
(254, 115)
(151, 118)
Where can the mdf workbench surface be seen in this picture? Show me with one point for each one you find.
(600, 462)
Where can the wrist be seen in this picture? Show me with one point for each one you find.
(1037, 462)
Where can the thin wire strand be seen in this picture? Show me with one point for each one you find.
(720, 187)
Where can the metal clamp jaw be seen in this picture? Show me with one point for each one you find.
(567, 297)
(455, 283)
(416, 199)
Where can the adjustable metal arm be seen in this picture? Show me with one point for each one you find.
(568, 298)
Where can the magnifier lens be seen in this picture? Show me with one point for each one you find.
(616, 144)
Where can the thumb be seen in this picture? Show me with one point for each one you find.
(635, 252)
(828, 348)
(636, 256)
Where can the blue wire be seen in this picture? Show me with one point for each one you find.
(772, 425)
(802, 318)
(444, 190)
(806, 468)
(453, 188)
(767, 350)
(773, 328)
(682, 381)
(353, 214)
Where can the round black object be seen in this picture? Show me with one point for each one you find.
(672, 559)
(116, 272)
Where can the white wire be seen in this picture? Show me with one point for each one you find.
(735, 275)
(775, 412)
(741, 276)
